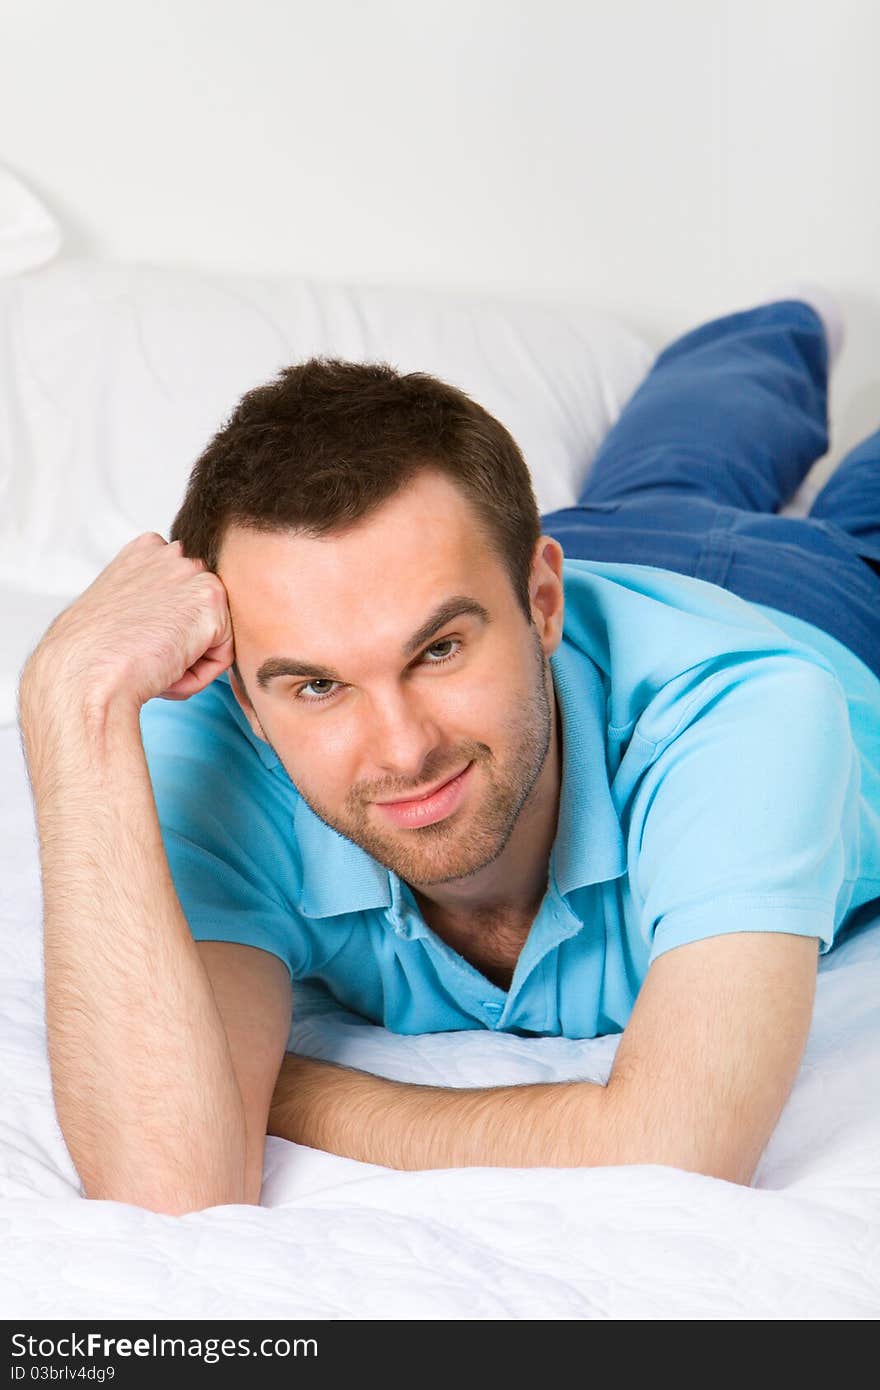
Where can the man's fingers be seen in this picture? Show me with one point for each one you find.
(202, 672)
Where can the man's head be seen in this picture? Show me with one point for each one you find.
(344, 505)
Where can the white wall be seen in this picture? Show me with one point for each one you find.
(665, 160)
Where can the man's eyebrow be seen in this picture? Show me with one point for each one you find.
(450, 608)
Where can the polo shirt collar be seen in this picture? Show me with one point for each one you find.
(589, 845)
(337, 875)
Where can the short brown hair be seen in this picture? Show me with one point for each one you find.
(327, 440)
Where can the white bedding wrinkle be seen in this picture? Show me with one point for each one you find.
(335, 1238)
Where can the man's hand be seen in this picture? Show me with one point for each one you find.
(153, 623)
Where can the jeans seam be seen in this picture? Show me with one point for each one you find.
(713, 562)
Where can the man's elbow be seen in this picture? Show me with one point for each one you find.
(172, 1201)
(729, 1156)
(729, 1168)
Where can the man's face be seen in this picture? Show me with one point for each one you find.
(392, 723)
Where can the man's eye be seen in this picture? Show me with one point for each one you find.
(312, 701)
(444, 642)
(319, 698)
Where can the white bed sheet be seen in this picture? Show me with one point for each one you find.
(338, 1239)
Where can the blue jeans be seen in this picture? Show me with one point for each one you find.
(715, 440)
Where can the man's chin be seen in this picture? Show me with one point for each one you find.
(424, 864)
(422, 867)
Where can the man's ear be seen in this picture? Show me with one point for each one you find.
(247, 708)
(547, 591)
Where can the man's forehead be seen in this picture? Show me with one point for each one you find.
(287, 567)
(306, 596)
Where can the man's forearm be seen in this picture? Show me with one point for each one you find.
(143, 1080)
(404, 1125)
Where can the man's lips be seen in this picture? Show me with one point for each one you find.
(420, 796)
(434, 806)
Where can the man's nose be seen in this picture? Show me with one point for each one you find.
(403, 733)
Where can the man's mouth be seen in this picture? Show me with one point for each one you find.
(426, 809)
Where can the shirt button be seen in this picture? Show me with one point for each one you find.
(491, 1007)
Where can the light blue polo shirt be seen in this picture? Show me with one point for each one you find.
(720, 773)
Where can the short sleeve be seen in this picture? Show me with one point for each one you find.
(223, 817)
(747, 819)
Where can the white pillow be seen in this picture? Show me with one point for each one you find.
(113, 379)
(29, 234)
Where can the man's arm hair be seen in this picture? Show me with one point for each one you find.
(143, 1079)
(700, 1078)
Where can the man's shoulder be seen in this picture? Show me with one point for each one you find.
(637, 592)
(210, 725)
(655, 633)
(661, 667)
(210, 773)
(225, 814)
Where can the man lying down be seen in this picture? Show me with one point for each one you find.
(362, 722)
